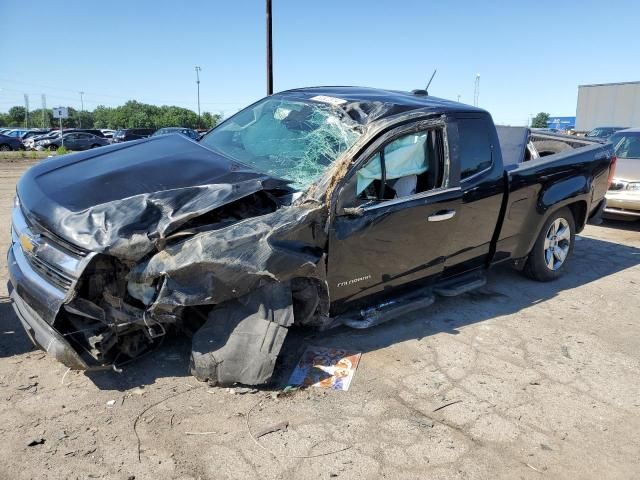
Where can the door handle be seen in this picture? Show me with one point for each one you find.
(441, 215)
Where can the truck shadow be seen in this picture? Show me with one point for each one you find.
(631, 226)
(506, 292)
(13, 339)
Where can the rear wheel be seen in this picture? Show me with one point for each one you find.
(5, 148)
(550, 254)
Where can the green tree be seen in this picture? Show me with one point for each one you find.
(16, 116)
(210, 120)
(540, 120)
(130, 115)
(102, 117)
(36, 119)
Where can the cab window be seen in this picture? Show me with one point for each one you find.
(475, 146)
(405, 166)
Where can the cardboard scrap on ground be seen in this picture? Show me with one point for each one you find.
(325, 367)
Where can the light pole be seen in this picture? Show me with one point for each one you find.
(198, 70)
(26, 110)
(81, 107)
(458, 98)
(476, 90)
(269, 51)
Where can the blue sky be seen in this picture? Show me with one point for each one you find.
(531, 55)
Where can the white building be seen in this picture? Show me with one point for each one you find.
(608, 105)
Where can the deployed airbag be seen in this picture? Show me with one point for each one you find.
(402, 157)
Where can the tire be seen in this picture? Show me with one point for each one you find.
(552, 251)
(53, 148)
(5, 148)
(95, 145)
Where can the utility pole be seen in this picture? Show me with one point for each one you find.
(458, 98)
(44, 111)
(269, 51)
(198, 69)
(26, 111)
(81, 107)
(476, 90)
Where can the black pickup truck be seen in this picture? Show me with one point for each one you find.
(316, 207)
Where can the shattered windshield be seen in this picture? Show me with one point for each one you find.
(287, 138)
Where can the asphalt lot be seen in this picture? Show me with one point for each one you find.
(545, 380)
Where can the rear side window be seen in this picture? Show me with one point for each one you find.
(475, 146)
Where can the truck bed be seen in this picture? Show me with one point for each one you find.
(576, 177)
(521, 144)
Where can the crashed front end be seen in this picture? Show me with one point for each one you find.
(234, 259)
(92, 310)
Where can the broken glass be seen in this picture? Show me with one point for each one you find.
(291, 139)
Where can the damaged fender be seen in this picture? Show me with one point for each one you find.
(241, 339)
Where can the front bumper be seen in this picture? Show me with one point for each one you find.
(44, 335)
(36, 299)
(626, 203)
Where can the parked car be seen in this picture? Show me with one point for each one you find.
(127, 134)
(10, 143)
(315, 207)
(16, 132)
(4, 130)
(603, 132)
(27, 136)
(623, 197)
(73, 141)
(32, 142)
(187, 132)
(107, 132)
(93, 131)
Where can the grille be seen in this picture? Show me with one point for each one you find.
(51, 273)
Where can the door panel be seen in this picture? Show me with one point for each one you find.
(393, 243)
(482, 185)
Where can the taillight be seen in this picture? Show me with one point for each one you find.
(612, 170)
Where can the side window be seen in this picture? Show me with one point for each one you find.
(475, 146)
(407, 165)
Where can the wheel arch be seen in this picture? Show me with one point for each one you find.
(579, 211)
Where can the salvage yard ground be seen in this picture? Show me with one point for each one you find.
(516, 380)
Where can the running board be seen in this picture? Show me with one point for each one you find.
(388, 310)
(459, 285)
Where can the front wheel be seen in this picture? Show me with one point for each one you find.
(550, 254)
(5, 148)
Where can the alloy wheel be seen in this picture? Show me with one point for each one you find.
(557, 243)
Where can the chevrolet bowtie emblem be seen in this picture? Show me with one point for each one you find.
(27, 243)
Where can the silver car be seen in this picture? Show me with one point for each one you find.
(623, 197)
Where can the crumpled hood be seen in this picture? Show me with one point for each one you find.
(122, 199)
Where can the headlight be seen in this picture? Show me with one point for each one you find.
(633, 186)
(16, 202)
